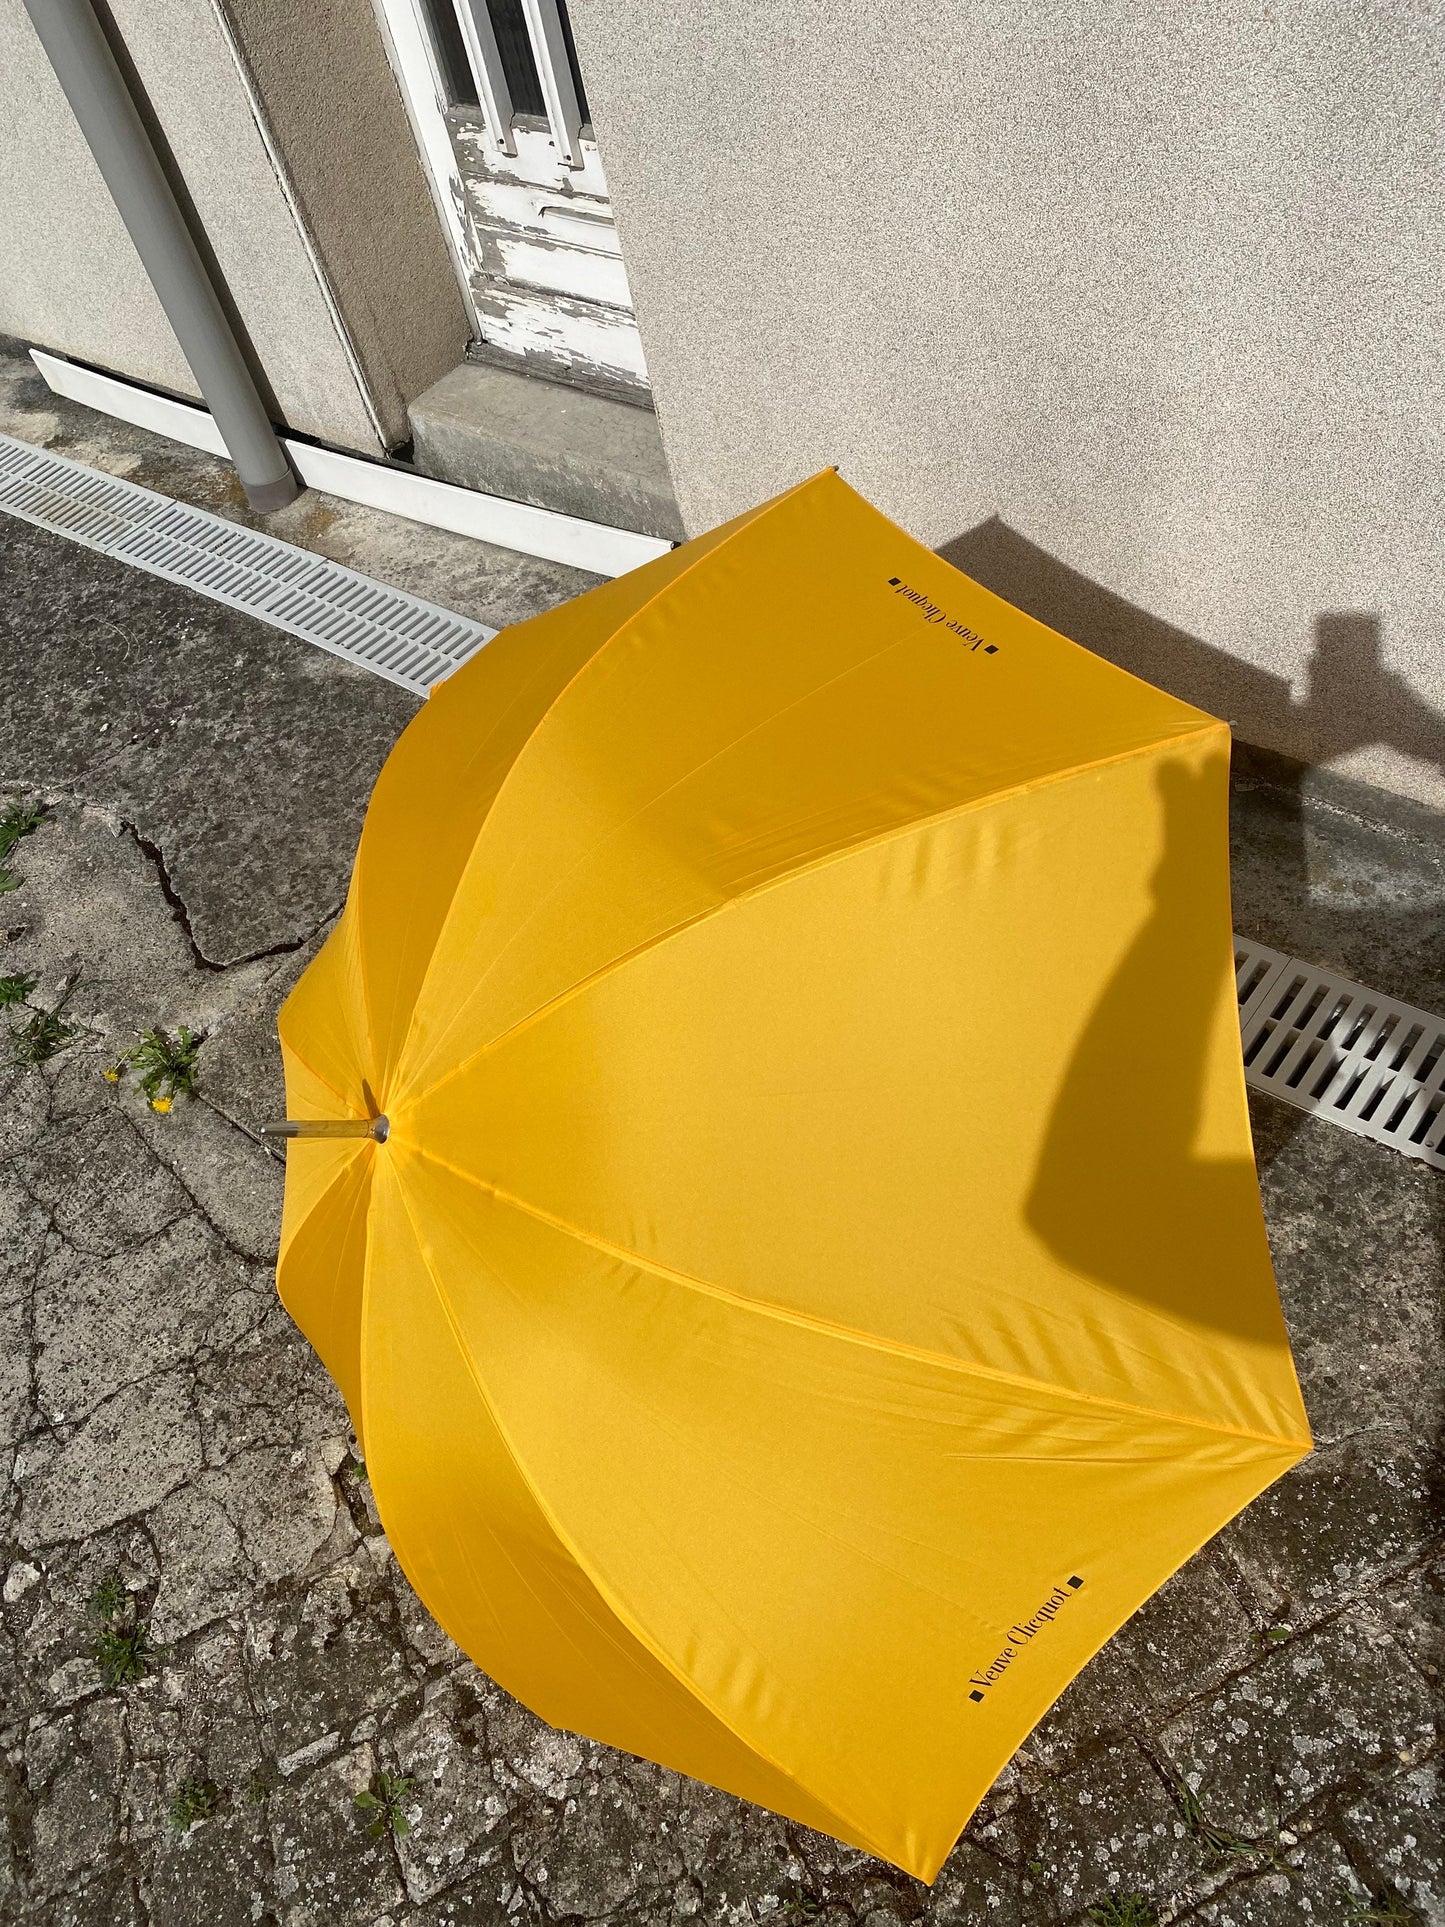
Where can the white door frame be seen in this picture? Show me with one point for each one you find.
(424, 92)
(525, 207)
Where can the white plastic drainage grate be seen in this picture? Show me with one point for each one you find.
(408, 641)
(1339, 1051)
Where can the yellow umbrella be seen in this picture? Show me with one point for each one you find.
(804, 1285)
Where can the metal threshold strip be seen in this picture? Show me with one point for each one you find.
(1368, 1063)
(410, 642)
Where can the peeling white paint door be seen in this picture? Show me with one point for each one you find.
(500, 112)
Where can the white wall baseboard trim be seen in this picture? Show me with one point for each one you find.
(397, 491)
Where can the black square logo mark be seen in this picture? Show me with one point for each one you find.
(1075, 1584)
(990, 648)
(975, 1696)
(894, 580)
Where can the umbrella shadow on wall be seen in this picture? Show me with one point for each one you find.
(1351, 701)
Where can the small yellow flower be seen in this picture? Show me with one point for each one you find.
(111, 1073)
(161, 1104)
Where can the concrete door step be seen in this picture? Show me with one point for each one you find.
(539, 442)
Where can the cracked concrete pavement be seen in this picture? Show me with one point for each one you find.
(1258, 1747)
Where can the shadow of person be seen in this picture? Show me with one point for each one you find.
(1122, 1193)
(1339, 901)
(1352, 700)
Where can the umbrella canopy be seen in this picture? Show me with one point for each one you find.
(813, 1287)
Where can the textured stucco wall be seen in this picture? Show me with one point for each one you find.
(340, 130)
(348, 303)
(69, 277)
(1136, 309)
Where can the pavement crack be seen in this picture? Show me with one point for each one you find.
(19, 1819)
(196, 1206)
(155, 856)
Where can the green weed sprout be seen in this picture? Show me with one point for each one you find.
(194, 1800)
(15, 991)
(382, 1801)
(164, 1065)
(1123, 1910)
(122, 1646)
(45, 1033)
(17, 820)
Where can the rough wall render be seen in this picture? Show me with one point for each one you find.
(287, 132)
(1135, 310)
(185, 62)
(340, 136)
(69, 277)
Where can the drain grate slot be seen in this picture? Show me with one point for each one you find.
(1368, 1063)
(398, 636)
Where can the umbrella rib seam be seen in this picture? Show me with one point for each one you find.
(723, 749)
(823, 862)
(478, 751)
(851, 1334)
(744, 522)
(288, 1045)
(584, 1565)
(307, 1065)
(360, 1202)
(613, 1635)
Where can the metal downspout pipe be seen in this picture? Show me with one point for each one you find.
(86, 68)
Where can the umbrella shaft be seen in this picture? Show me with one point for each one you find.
(373, 1127)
